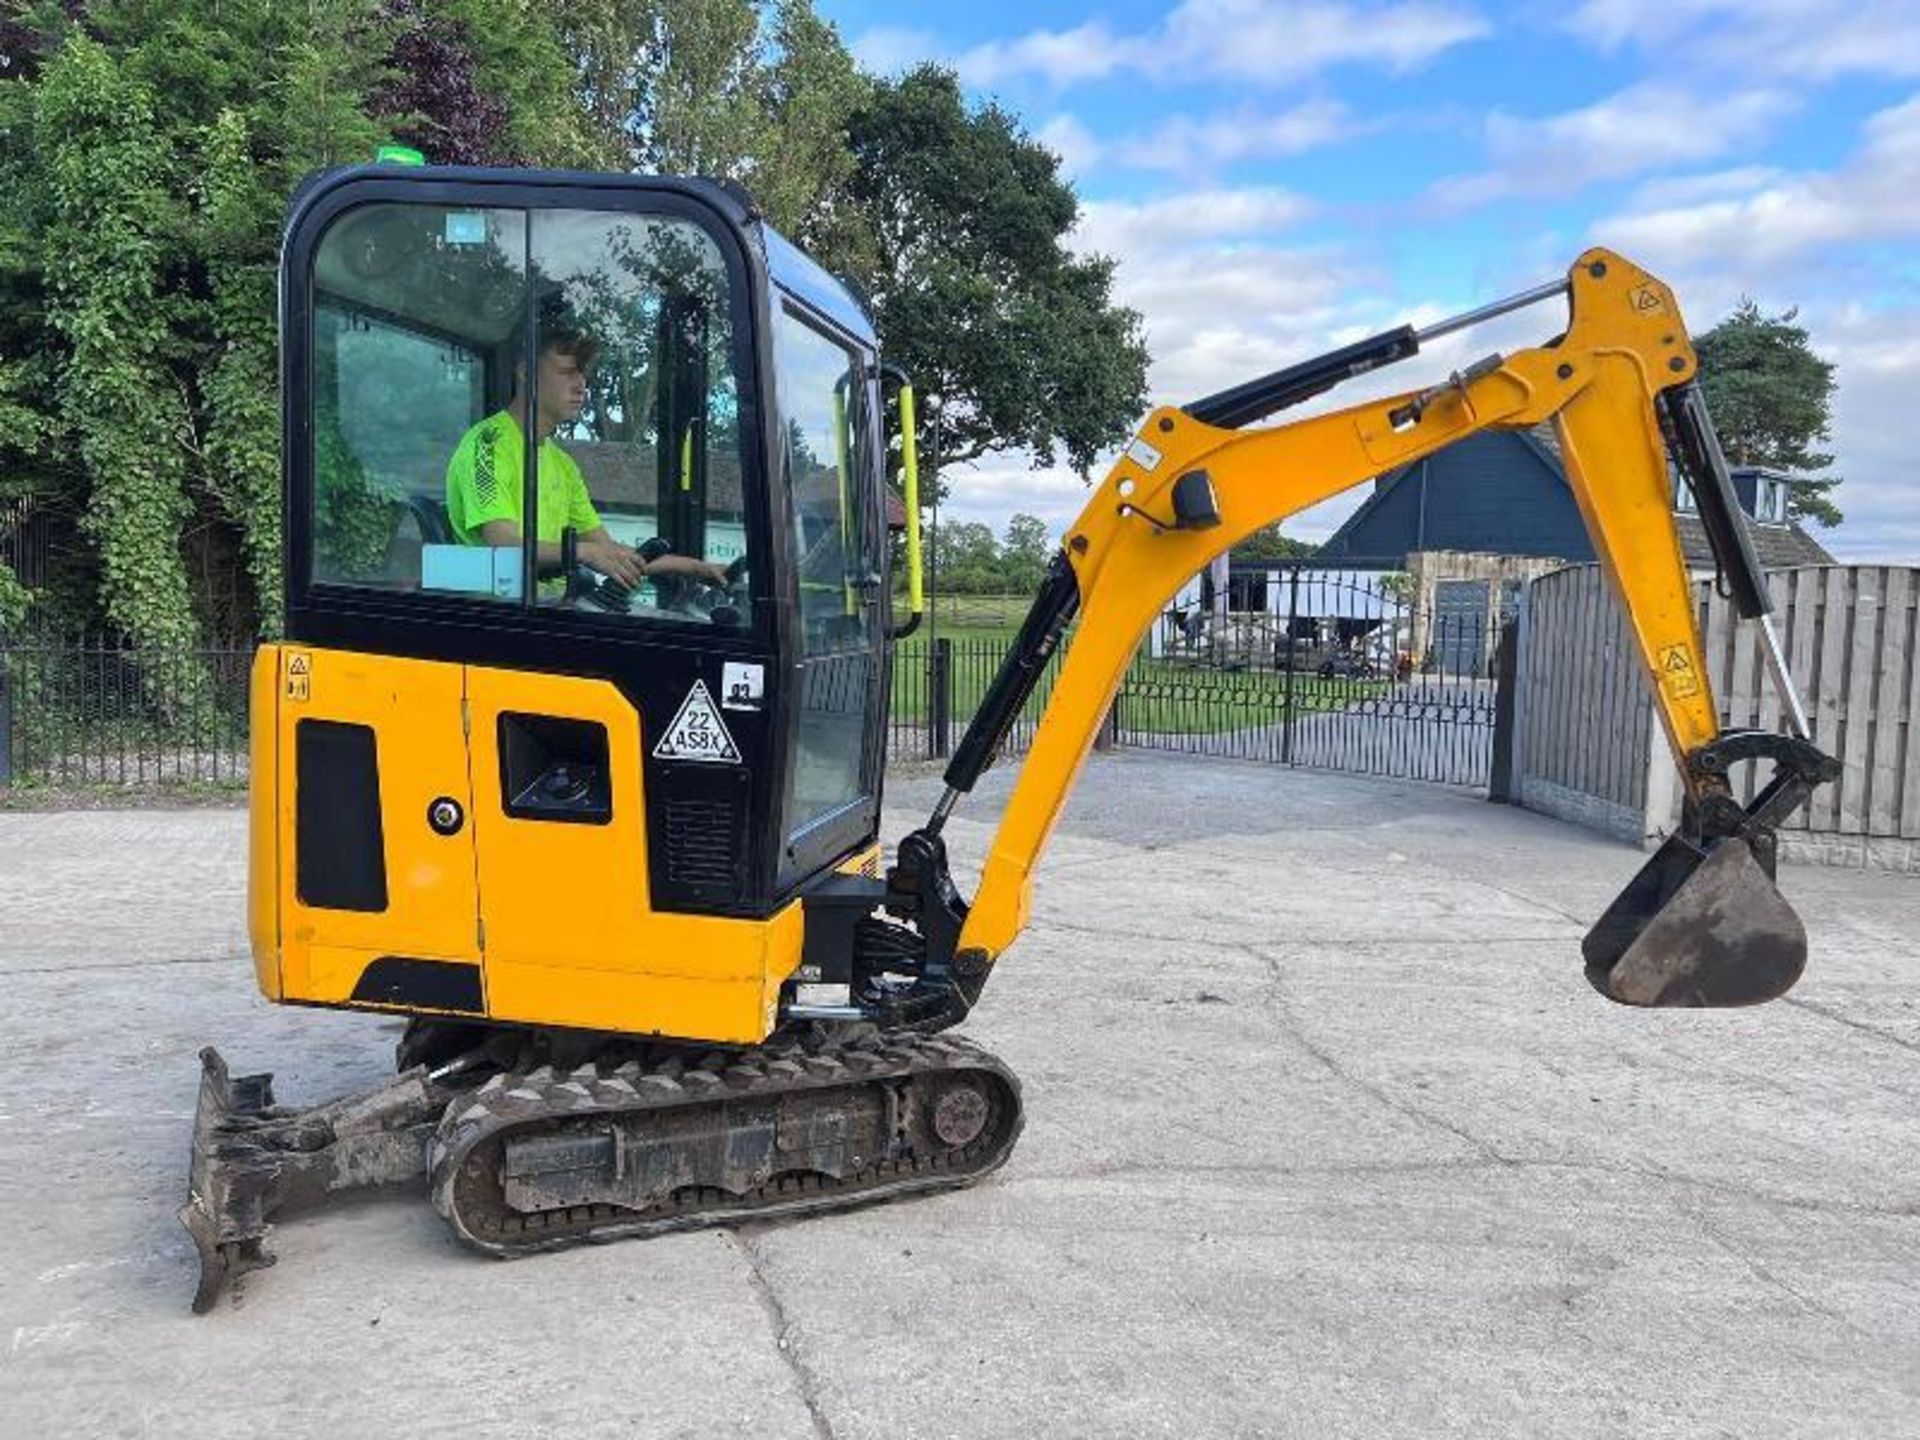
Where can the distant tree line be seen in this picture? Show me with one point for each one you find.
(969, 560)
(148, 148)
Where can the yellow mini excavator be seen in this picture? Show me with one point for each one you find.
(594, 801)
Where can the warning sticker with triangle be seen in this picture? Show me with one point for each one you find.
(698, 732)
(1677, 672)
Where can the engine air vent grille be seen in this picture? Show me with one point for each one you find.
(704, 848)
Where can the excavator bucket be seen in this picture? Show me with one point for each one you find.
(1700, 925)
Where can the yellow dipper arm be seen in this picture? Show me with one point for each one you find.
(1132, 547)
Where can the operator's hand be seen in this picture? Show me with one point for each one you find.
(685, 565)
(612, 559)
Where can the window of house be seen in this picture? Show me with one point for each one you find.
(1772, 498)
(1247, 592)
(1682, 492)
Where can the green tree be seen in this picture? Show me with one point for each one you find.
(1771, 400)
(1024, 554)
(967, 559)
(1268, 543)
(139, 233)
(956, 226)
(15, 599)
(810, 91)
(109, 209)
(732, 89)
(39, 461)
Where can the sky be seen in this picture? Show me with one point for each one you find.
(1276, 177)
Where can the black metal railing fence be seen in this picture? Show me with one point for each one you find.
(90, 710)
(938, 684)
(1337, 672)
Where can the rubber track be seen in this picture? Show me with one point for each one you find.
(522, 1101)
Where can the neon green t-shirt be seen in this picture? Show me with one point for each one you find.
(484, 483)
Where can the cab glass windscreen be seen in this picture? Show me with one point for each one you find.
(636, 396)
(471, 367)
(411, 305)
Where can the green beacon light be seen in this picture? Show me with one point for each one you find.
(398, 155)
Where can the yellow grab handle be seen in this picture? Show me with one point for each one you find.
(910, 473)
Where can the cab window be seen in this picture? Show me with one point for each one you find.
(474, 368)
(823, 408)
(636, 379)
(408, 302)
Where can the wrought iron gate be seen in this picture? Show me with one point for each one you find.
(1340, 669)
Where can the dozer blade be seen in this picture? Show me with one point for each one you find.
(253, 1159)
(1698, 926)
(227, 1202)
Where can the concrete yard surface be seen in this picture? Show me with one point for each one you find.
(1327, 1135)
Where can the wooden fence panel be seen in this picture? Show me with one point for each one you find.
(1582, 716)
(1908, 816)
(1891, 671)
(1852, 635)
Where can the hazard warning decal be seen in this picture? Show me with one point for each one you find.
(1677, 672)
(299, 676)
(698, 732)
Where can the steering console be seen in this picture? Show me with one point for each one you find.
(687, 596)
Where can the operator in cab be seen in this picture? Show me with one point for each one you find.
(484, 491)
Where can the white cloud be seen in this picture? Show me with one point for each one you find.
(990, 491)
(1674, 191)
(1189, 145)
(1221, 300)
(1060, 57)
(1278, 43)
(1639, 129)
(1269, 42)
(890, 49)
(1184, 144)
(1792, 238)
(1807, 39)
(1140, 231)
(1078, 148)
(1877, 355)
(1874, 196)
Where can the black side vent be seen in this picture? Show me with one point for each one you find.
(700, 848)
(339, 846)
(700, 842)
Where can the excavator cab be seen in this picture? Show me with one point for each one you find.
(510, 783)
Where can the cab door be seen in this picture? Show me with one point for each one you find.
(377, 896)
(836, 533)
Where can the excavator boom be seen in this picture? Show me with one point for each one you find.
(1703, 923)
